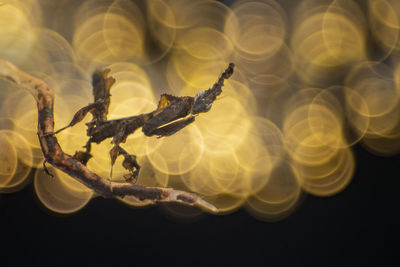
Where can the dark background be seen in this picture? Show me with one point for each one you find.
(357, 226)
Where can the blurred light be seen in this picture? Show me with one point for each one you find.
(309, 83)
(61, 194)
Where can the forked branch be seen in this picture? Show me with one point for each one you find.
(170, 109)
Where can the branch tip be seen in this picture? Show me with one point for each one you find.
(162, 122)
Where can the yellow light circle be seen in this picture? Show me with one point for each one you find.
(8, 157)
(279, 196)
(181, 151)
(207, 44)
(256, 28)
(59, 194)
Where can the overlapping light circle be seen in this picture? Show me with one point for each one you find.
(308, 85)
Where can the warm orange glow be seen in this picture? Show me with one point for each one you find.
(305, 90)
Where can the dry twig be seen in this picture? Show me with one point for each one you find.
(170, 109)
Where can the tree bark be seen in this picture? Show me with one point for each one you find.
(54, 154)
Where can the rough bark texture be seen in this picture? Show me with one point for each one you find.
(54, 154)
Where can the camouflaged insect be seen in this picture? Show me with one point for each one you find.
(172, 114)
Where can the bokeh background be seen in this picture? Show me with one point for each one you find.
(308, 124)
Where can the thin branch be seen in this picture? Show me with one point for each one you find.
(54, 154)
